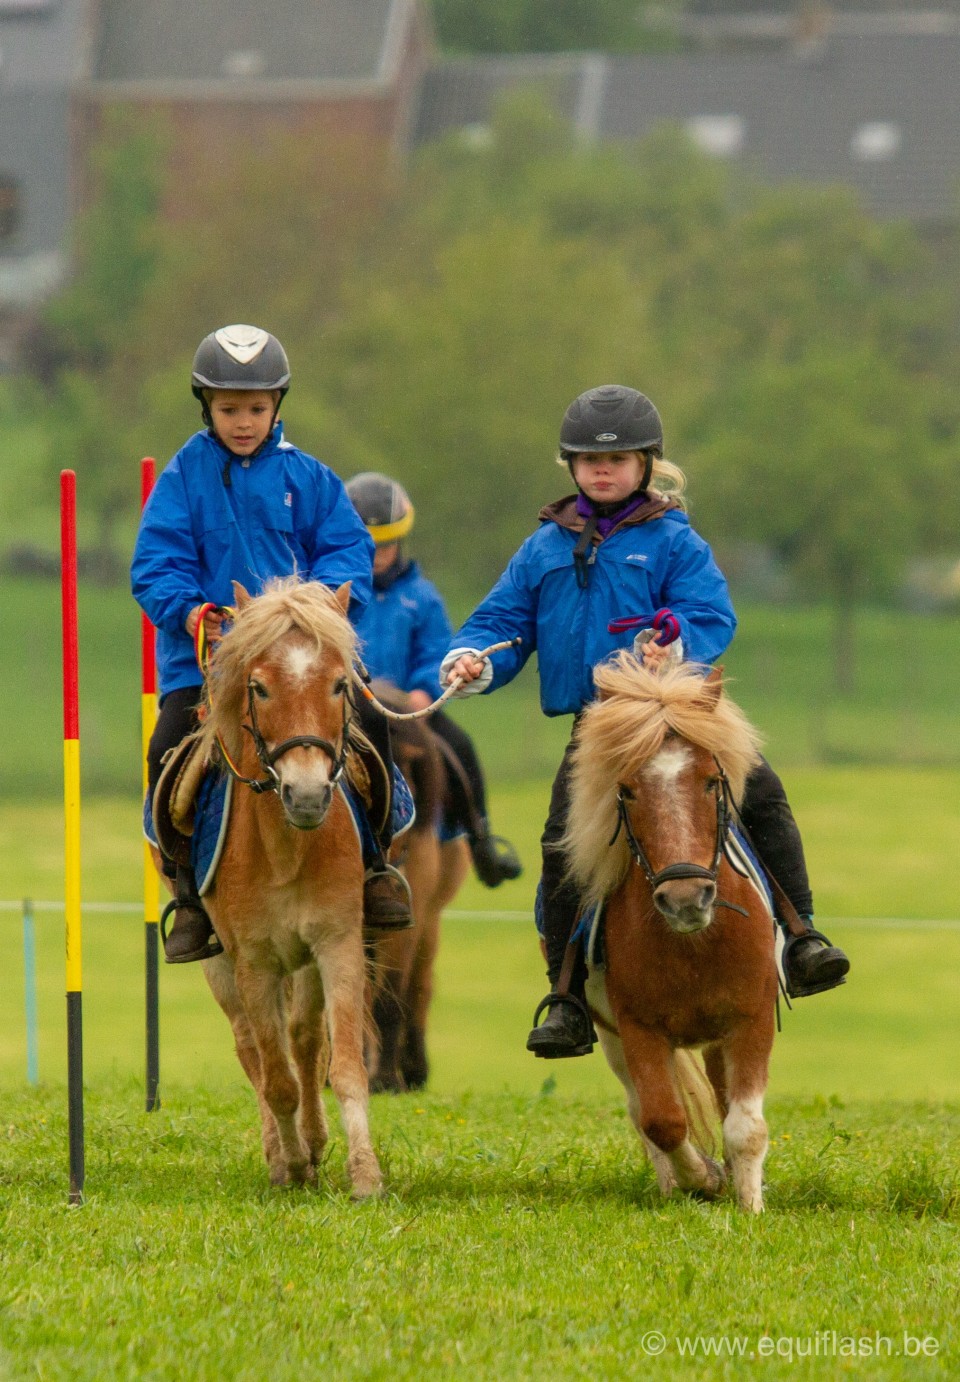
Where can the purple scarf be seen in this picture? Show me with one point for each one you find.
(608, 520)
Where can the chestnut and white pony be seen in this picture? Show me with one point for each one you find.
(287, 900)
(689, 940)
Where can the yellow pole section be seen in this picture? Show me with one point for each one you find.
(151, 879)
(71, 806)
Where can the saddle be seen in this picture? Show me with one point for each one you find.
(175, 798)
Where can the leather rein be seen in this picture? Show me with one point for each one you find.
(681, 869)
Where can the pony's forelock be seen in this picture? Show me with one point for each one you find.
(287, 605)
(624, 729)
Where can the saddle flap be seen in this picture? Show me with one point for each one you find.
(175, 795)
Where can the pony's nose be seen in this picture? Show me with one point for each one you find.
(306, 807)
(686, 900)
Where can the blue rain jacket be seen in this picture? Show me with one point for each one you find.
(651, 561)
(282, 513)
(405, 632)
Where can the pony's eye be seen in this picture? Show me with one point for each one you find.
(710, 784)
(259, 690)
(339, 686)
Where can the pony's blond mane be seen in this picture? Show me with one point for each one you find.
(288, 605)
(625, 729)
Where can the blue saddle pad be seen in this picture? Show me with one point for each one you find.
(590, 925)
(209, 827)
(212, 814)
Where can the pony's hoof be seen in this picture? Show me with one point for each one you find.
(715, 1182)
(366, 1183)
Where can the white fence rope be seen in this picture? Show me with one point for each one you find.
(457, 914)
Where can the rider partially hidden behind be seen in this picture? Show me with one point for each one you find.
(405, 632)
(239, 502)
(621, 546)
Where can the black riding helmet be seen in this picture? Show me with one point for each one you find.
(612, 417)
(383, 504)
(240, 357)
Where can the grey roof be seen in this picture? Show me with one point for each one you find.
(878, 113)
(243, 40)
(801, 117)
(43, 47)
(456, 95)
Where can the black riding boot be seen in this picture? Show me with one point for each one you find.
(192, 936)
(567, 1029)
(810, 963)
(386, 893)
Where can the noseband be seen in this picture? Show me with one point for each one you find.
(267, 758)
(682, 869)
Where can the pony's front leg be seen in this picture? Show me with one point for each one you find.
(219, 974)
(311, 1050)
(662, 1120)
(746, 1056)
(261, 993)
(340, 961)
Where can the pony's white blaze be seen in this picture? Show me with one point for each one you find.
(669, 764)
(300, 660)
(664, 773)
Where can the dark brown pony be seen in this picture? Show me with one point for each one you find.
(287, 901)
(402, 972)
(689, 940)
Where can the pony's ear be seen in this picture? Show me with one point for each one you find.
(342, 596)
(241, 595)
(712, 689)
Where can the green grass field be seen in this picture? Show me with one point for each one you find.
(521, 1235)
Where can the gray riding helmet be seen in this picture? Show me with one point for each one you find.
(240, 357)
(611, 417)
(383, 504)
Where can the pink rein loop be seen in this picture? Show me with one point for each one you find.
(665, 624)
(451, 689)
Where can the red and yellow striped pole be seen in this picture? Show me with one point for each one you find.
(151, 881)
(71, 803)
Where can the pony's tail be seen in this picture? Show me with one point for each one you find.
(699, 1102)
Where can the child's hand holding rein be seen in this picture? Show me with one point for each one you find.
(212, 624)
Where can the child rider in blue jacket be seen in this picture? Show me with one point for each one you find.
(622, 545)
(405, 632)
(238, 502)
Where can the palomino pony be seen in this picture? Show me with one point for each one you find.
(689, 940)
(435, 869)
(287, 900)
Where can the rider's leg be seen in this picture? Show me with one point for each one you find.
(494, 858)
(566, 1030)
(811, 964)
(191, 937)
(386, 895)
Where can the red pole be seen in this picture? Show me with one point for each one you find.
(71, 803)
(151, 883)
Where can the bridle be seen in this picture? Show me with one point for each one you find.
(682, 869)
(267, 758)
